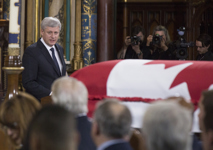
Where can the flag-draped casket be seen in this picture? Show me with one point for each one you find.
(139, 82)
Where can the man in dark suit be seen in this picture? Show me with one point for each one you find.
(204, 47)
(73, 95)
(111, 125)
(43, 61)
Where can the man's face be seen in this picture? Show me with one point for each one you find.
(140, 34)
(201, 49)
(50, 35)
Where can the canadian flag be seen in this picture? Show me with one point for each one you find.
(138, 82)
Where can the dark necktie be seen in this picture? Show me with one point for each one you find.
(55, 60)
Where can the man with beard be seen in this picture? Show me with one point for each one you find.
(133, 46)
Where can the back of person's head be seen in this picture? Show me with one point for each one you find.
(113, 118)
(70, 93)
(137, 29)
(166, 126)
(16, 113)
(166, 32)
(206, 40)
(182, 102)
(50, 22)
(53, 128)
(207, 104)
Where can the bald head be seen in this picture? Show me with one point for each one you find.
(113, 118)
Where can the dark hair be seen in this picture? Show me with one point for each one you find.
(208, 109)
(137, 29)
(206, 40)
(166, 32)
(55, 126)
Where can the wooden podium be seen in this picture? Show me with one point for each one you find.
(46, 100)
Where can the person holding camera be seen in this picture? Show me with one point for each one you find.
(133, 46)
(204, 46)
(160, 45)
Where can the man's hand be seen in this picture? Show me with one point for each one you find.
(149, 40)
(137, 50)
(163, 44)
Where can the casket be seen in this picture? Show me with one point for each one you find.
(138, 82)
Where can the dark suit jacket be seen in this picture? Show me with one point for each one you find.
(196, 143)
(40, 70)
(84, 129)
(120, 146)
(208, 56)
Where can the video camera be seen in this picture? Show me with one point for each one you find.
(156, 40)
(181, 45)
(135, 40)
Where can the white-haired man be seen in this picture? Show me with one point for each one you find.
(166, 126)
(73, 94)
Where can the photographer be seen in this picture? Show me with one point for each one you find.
(133, 45)
(160, 45)
(204, 45)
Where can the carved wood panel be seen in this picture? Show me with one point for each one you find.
(149, 15)
(195, 15)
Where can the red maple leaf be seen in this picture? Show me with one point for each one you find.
(198, 76)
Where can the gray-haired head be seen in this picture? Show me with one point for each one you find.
(166, 32)
(113, 118)
(166, 125)
(50, 22)
(70, 93)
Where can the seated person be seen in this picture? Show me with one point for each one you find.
(204, 46)
(160, 49)
(52, 128)
(111, 125)
(73, 95)
(134, 50)
(166, 126)
(15, 115)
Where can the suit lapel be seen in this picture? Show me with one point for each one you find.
(47, 56)
(61, 59)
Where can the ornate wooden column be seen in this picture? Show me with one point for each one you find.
(125, 18)
(77, 62)
(105, 30)
(29, 24)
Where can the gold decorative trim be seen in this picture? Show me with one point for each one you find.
(13, 68)
(13, 51)
(77, 62)
(28, 43)
(0, 65)
(198, 2)
(36, 19)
